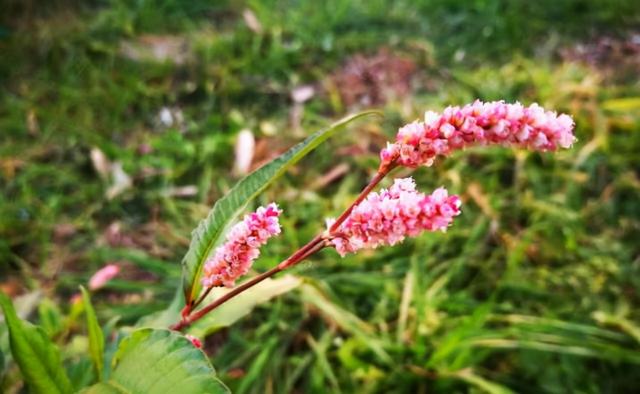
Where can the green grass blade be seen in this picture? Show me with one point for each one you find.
(211, 230)
(587, 350)
(483, 384)
(320, 349)
(38, 358)
(96, 338)
(345, 320)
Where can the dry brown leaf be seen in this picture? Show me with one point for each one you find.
(252, 21)
(157, 48)
(100, 162)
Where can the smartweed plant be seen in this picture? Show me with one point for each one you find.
(386, 218)
(158, 358)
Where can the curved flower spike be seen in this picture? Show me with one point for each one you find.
(235, 257)
(386, 218)
(479, 123)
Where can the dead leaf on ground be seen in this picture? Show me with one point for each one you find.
(63, 231)
(100, 162)
(617, 58)
(245, 149)
(373, 80)
(302, 93)
(181, 191)
(157, 48)
(155, 238)
(252, 21)
(9, 165)
(120, 181)
(112, 172)
(169, 117)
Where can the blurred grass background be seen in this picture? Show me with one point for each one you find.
(118, 121)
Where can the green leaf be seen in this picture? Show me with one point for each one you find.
(241, 305)
(50, 318)
(96, 338)
(153, 361)
(38, 358)
(210, 231)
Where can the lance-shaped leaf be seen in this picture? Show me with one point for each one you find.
(96, 338)
(159, 361)
(226, 210)
(38, 358)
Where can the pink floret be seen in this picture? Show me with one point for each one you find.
(235, 257)
(388, 217)
(532, 127)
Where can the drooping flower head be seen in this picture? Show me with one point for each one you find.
(386, 218)
(497, 122)
(235, 257)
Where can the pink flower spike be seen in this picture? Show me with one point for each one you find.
(103, 275)
(235, 257)
(386, 218)
(498, 123)
(194, 341)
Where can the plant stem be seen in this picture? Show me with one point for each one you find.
(300, 253)
(202, 297)
(363, 194)
(295, 258)
(237, 290)
(311, 247)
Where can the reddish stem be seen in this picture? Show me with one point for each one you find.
(363, 194)
(292, 260)
(311, 247)
(202, 297)
(300, 253)
(186, 322)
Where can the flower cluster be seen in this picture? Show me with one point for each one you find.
(480, 123)
(386, 218)
(234, 258)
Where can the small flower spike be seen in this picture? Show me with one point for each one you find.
(386, 218)
(497, 122)
(235, 257)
